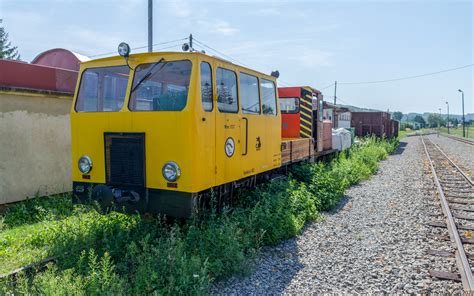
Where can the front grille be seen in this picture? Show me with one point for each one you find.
(125, 159)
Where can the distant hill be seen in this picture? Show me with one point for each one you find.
(411, 116)
(408, 116)
(358, 109)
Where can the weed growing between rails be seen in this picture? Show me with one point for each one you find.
(125, 254)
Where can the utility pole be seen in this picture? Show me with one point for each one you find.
(448, 115)
(439, 121)
(150, 25)
(334, 110)
(463, 122)
(190, 42)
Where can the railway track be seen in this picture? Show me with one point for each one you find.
(463, 140)
(456, 195)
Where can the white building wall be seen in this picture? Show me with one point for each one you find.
(344, 120)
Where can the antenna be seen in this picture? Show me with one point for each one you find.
(188, 46)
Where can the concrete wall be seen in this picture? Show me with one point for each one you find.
(35, 143)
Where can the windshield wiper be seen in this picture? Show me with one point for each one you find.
(148, 74)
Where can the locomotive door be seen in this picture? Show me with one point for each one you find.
(253, 126)
(228, 121)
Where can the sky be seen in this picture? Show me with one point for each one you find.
(309, 42)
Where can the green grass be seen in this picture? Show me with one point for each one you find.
(458, 131)
(403, 133)
(118, 254)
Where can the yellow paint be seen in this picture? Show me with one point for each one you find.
(304, 120)
(306, 108)
(306, 130)
(193, 138)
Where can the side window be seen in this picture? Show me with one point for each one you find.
(268, 97)
(249, 95)
(206, 86)
(226, 91)
(289, 105)
(321, 108)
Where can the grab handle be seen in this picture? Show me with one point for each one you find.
(246, 135)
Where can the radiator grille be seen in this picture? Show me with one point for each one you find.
(125, 159)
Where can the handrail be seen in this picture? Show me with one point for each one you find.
(246, 135)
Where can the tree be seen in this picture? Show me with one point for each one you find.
(397, 115)
(420, 120)
(7, 51)
(405, 125)
(434, 119)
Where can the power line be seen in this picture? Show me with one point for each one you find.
(235, 60)
(220, 53)
(339, 99)
(408, 77)
(332, 84)
(168, 47)
(140, 47)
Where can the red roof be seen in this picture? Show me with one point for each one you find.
(22, 75)
(52, 70)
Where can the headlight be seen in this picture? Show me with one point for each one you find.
(123, 49)
(85, 164)
(171, 171)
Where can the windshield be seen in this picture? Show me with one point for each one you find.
(161, 87)
(289, 105)
(102, 89)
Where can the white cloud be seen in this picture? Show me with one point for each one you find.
(225, 28)
(179, 8)
(312, 57)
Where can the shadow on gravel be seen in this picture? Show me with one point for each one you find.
(273, 272)
(342, 203)
(277, 267)
(400, 149)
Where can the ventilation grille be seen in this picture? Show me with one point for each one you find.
(125, 159)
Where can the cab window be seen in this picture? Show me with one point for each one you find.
(289, 105)
(249, 95)
(161, 86)
(267, 88)
(206, 86)
(226, 91)
(102, 89)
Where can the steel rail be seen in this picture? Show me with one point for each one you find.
(461, 258)
(452, 162)
(463, 140)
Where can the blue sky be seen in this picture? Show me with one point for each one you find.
(310, 42)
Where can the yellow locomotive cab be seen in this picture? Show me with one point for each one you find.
(156, 133)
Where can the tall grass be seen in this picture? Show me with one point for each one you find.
(117, 254)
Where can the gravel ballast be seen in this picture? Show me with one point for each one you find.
(461, 153)
(376, 241)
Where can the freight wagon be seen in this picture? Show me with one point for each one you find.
(378, 124)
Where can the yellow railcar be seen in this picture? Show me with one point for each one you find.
(155, 131)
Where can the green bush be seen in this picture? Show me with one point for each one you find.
(324, 184)
(279, 210)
